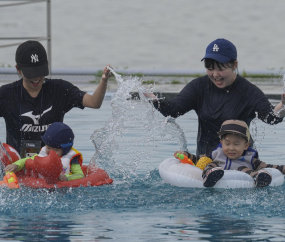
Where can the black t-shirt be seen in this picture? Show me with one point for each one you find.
(28, 118)
(214, 105)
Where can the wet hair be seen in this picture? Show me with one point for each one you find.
(210, 64)
(223, 136)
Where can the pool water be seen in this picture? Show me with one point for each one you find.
(139, 206)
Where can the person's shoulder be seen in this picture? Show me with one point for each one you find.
(251, 149)
(243, 82)
(245, 86)
(57, 82)
(200, 81)
(252, 152)
(10, 86)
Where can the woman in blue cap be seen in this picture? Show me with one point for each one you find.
(59, 138)
(219, 96)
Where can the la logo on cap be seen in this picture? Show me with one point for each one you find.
(34, 58)
(216, 47)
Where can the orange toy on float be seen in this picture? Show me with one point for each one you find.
(184, 159)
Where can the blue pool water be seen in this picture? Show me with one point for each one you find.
(139, 206)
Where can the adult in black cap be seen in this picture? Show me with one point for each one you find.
(220, 95)
(32, 103)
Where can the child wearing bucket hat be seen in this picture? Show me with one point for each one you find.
(234, 153)
(59, 138)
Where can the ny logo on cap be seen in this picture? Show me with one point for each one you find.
(34, 58)
(216, 47)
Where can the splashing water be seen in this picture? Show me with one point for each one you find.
(134, 131)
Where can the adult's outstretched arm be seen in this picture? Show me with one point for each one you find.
(95, 100)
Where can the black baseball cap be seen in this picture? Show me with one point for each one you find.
(221, 50)
(31, 56)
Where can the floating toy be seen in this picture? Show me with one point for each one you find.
(184, 159)
(202, 162)
(174, 172)
(43, 172)
(10, 180)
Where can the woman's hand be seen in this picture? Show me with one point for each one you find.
(106, 73)
(279, 110)
(149, 95)
(11, 168)
(96, 99)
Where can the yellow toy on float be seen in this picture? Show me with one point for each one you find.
(202, 162)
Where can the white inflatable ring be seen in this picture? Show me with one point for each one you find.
(174, 172)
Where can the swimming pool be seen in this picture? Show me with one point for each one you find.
(139, 206)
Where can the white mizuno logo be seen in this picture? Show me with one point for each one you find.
(31, 128)
(34, 58)
(35, 118)
(216, 47)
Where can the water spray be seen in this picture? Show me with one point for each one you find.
(134, 130)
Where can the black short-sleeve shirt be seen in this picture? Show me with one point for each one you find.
(27, 118)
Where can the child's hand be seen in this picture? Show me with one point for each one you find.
(62, 177)
(180, 152)
(11, 168)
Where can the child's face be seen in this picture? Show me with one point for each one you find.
(234, 146)
(58, 151)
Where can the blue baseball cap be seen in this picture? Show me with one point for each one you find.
(221, 50)
(59, 135)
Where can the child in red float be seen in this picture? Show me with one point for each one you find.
(59, 138)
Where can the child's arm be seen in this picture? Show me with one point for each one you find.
(258, 164)
(76, 171)
(18, 165)
(280, 168)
